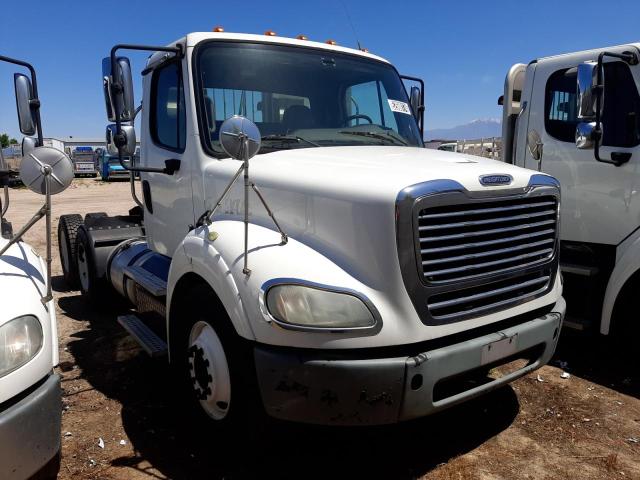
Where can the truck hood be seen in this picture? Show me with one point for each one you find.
(380, 169)
(340, 201)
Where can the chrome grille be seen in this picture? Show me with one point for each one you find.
(469, 241)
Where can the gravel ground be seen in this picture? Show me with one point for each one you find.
(543, 426)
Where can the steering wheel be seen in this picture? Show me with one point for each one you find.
(358, 115)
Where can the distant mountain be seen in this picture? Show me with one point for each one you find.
(481, 128)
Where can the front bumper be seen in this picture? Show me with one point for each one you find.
(335, 389)
(30, 431)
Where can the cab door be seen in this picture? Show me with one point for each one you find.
(167, 199)
(600, 204)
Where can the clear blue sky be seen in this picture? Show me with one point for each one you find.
(462, 49)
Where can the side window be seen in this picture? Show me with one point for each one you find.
(620, 113)
(369, 100)
(168, 117)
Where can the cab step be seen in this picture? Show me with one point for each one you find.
(146, 338)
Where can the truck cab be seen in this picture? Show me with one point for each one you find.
(546, 115)
(353, 276)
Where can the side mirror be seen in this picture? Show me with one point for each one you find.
(415, 99)
(25, 103)
(43, 162)
(129, 133)
(118, 90)
(240, 138)
(587, 79)
(28, 145)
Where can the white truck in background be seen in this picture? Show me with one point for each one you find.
(576, 116)
(353, 276)
(30, 394)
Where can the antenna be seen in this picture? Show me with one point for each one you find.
(346, 12)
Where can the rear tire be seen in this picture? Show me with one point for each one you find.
(67, 232)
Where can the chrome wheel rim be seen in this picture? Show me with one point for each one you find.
(209, 370)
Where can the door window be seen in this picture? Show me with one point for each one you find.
(167, 110)
(620, 113)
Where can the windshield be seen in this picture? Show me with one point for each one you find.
(302, 97)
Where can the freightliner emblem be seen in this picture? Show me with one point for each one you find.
(496, 179)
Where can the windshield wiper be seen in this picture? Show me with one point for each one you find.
(289, 138)
(379, 136)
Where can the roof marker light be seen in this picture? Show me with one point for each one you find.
(302, 37)
(331, 42)
(270, 33)
(218, 29)
(365, 50)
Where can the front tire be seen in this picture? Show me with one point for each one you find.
(67, 232)
(214, 365)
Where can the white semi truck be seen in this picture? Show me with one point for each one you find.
(30, 395)
(352, 276)
(577, 117)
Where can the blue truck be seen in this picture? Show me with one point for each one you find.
(109, 167)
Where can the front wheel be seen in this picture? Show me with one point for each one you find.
(209, 372)
(215, 365)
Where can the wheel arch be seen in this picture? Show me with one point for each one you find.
(626, 273)
(226, 297)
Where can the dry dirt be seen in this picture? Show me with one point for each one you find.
(546, 427)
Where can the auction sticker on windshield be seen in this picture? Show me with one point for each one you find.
(398, 106)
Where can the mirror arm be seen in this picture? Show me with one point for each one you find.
(35, 102)
(119, 139)
(617, 158)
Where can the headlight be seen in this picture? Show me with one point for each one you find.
(310, 307)
(20, 341)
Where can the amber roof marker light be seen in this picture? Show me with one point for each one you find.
(302, 37)
(218, 29)
(331, 42)
(270, 33)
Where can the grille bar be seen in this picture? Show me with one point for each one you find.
(488, 253)
(486, 210)
(487, 243)
(524, 216)
(516, 258)
(489, 298)
(489, 293)
(487, 232)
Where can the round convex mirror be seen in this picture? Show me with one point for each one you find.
(233, 133)
(38, 161)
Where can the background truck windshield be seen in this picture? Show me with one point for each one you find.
(302, 97)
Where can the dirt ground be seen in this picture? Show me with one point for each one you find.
(543, 426)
